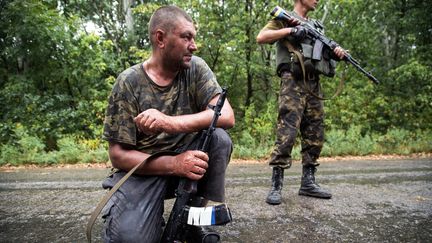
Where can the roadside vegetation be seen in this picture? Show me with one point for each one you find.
(59, 60)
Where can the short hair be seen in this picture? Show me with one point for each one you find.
(165, 18)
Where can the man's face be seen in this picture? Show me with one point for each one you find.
(181, 45)
(310, 5)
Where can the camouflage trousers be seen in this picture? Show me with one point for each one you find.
(298, 110)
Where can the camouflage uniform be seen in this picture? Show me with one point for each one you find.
(298, 109)
(135, 92)
(135, 211)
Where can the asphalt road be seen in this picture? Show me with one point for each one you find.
(373, 201)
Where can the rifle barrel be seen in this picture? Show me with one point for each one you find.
(348, 58)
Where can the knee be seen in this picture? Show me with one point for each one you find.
(221, 145)
(221, 139)
(132, 227)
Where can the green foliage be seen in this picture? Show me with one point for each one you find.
(411, 82)
(421, 141)
(350, 142)
(255, 135)
(30, 150)
(395, 141)
(26, 148)
(246, 147)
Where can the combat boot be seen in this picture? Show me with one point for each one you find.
(308, 185)
(274, 197)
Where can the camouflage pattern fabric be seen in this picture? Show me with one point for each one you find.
(284, 58)
(298, 110)
(134, 92)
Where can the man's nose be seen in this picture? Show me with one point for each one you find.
(193, 46)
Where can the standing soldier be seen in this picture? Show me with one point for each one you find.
(299, 104)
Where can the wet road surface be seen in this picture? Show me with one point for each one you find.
(373, 201)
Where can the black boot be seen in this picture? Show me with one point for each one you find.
(308, 185)
(275, 197)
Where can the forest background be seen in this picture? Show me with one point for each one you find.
(60, 58)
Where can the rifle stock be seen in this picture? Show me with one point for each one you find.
(319, 37)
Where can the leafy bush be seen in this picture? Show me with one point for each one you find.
(255, 135)
(401, 141)
(27, 148)
(9, 155)
(395, 141)
(350, 142)
(249, 148)
(422, 142)
(30, 150)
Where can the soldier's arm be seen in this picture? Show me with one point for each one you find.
(153, 121)
(190, 164)
(275, 30)
(270, 35)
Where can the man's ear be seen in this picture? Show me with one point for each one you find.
(160, 38)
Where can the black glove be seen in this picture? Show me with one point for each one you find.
(299, 32)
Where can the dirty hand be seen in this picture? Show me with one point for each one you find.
(191, 164)
(339, 52)
(152, 122)
(293, 22)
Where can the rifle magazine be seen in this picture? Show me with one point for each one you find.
(206, 216)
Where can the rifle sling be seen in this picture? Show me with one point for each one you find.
(301, 61)
(105, 199)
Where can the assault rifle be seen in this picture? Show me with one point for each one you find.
(182, 214)
(320, 40)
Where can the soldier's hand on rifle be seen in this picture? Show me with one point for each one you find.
(191, 164)
(292, 22)
(152, 122)
(339, 52)
(298, 32)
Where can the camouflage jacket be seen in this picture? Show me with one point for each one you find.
(135, 92)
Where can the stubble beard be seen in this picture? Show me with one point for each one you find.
(176, 64)
(185, 65)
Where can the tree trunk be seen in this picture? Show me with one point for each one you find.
(127, 11)
(248, 53)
